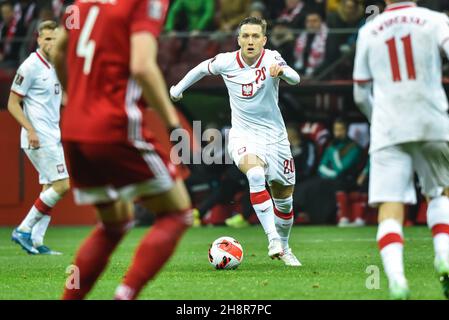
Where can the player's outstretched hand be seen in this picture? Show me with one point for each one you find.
(276, 70)
(173, 96)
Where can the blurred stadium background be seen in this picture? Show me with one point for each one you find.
(316, 37)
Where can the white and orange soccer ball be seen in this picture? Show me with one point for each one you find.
(225, 253)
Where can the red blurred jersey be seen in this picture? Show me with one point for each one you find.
(102, 97)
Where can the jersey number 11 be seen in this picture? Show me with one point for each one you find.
(394, 60)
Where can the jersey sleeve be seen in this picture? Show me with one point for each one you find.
(149, 15)
(22, 81)
(362, 72)
(217, 64)
(277, 58)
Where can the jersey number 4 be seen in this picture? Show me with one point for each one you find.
(394, 60)
(86, 47)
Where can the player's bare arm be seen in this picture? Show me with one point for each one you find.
(193, 76)
(146, 72)
(58, 56)
(363, 98)
(15, 108)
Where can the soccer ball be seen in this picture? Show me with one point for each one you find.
(225, 253)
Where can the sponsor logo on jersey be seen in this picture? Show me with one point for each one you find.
(230, 76)
(19, 79)
(247, 90)
(60, 168)
(241, 150)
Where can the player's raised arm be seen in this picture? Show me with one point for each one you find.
(146, 72)
(193, 76)
(362, 78)
(58, 56)
(284, 72)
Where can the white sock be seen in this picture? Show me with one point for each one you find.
(30, 220)
(42, 206)
(283, 219)
(38, 232)
(390, 240)
(261, 201)
(438, 222)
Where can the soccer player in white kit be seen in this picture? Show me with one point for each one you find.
(36, 86)
(258, 142)
(397, 77)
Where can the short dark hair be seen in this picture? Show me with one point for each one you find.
(341, 120)
(46, 25)
(254, 20)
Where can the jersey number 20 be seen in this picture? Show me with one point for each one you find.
(86, 48)
(394, 60)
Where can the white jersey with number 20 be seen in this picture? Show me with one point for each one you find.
(253, 95)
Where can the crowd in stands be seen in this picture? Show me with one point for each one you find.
(316, 37)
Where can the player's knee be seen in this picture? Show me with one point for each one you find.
(284, 205)
(61, 187)
(256, 177)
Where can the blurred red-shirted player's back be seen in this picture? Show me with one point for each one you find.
(107, 65)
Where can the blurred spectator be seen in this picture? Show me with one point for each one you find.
(317, 5)
(26, 12)
(231, 13)
(353, 205)
(294, 13)
(30, 42)
(259, 10)
(337, 171)
(282, 39)
(311, 45)
(197, 13)
(10, 33)
(332, 5)
(274, 8)
(341, 157)
(350, 15)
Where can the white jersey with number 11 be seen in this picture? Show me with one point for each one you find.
(400, 51)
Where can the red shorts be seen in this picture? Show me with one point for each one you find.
(102, 172)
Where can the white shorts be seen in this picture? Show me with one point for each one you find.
(279, 164)
(49, 162)
(392, 171)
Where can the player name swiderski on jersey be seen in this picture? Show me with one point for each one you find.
(193, 310)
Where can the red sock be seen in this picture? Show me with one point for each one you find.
(342, 205)
(93, 256)
(153, 252)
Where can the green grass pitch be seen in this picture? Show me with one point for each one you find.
(335, 263)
